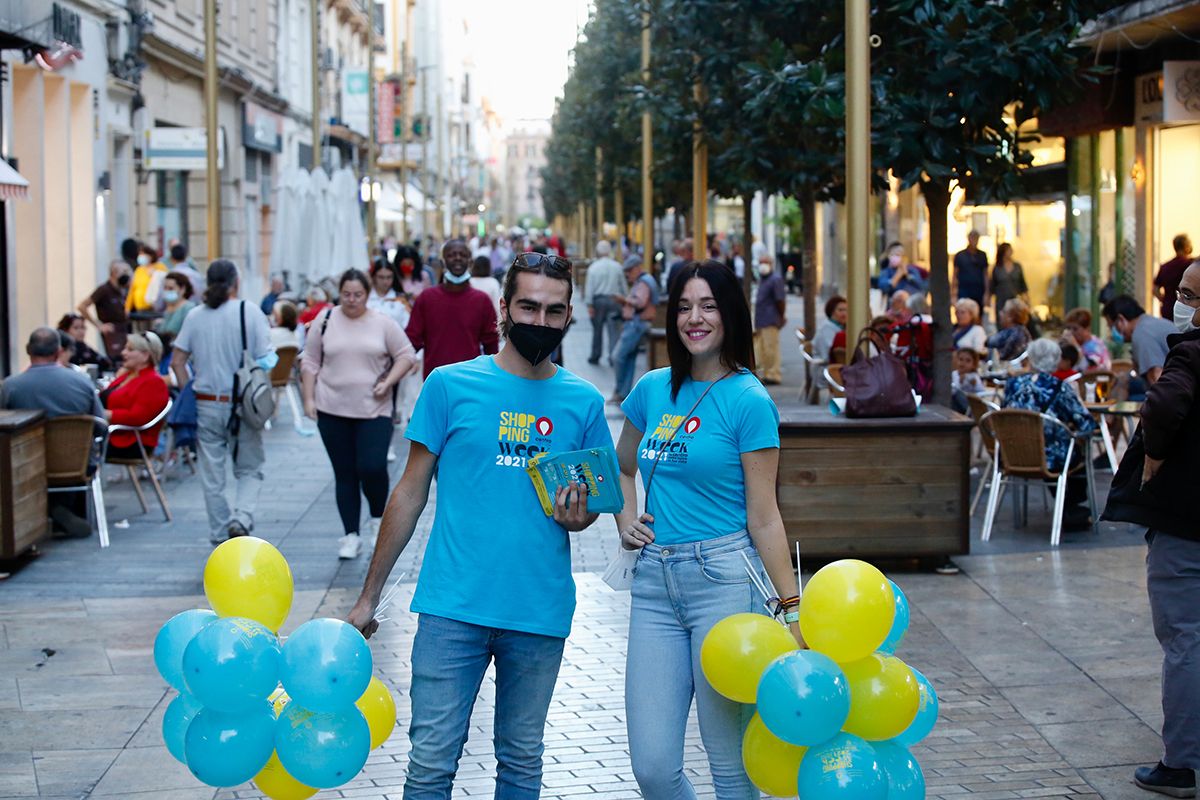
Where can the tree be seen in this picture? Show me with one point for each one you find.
(959, 77)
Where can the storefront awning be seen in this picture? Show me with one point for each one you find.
(12, 185)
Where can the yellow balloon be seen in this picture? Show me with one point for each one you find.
(275, 782)
(247, 577)
(771, 763)
(884, 697)
(737, 650)
(378, 706)
(279, 700)
(847, 609)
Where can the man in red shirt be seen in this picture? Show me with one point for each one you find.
(451, 321)
(1166, 282)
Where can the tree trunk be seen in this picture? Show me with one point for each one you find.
(750, 266)
(808, 274)
(937, 200)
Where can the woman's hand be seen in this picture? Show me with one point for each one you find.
(639, 534)
(1150, 468)
(794, 627)
(381, 388)
(310, 408)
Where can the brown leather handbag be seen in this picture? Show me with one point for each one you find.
(877, 386)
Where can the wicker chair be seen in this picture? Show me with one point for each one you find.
(811, 393)
(979, 409)
(283, 379)
(131, 464)
(1020, 446)
(70, 442)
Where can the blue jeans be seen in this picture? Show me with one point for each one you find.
(679, 592)
(449, 659)
(627, 352)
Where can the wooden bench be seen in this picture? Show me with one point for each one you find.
(23, 520)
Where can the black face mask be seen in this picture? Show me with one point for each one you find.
(535, 343)
(123, 280)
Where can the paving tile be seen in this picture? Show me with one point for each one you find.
(49, 693)
(147, 769)
(25, 731)
(17, 775)
(1070, 701)
(1099, 744)
(1114, 783)
(73, 659)
(71, 772)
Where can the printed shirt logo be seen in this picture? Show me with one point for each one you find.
(692, 425)
(520, 436)
(670, 438)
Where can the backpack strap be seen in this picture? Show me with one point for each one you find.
(324, 325)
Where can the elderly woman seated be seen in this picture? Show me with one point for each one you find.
(1040, 391)
(136, 396)
(1010, 341)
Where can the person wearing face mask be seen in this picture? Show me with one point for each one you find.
(898, 274)
(146, 286)
(475, 426)
(109, 301)
(452, 321)
(770, 315)
(1154, 488)
(353, 357)
(412, 277)
(1146, 334)
(177, 299)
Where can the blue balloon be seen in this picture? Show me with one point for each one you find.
(899, 622)
(173, 638)
(322, 749)
(927, 714)
(326, 665)
(226, 748)
(175, 723)
(905, 779)
(232, 664)
(803, 697)
(844, 768)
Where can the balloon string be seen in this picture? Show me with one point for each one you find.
(387, 597)
(799, 583)
(754, 578)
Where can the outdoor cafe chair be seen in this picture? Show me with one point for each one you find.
(283, 379)
(131, 464)
(1020, 447)
(979, 409)
(812, 390)
(833, 377)
(70, 442)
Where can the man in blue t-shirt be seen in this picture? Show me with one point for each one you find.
(495, 582)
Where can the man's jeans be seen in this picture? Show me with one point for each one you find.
(627, 353)
(607, 317)
(449, 659)
(1173, 583)
(215, 445)
(679, 592)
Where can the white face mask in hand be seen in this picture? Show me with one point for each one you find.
(1183, 317)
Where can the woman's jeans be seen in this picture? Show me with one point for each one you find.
(679, 593)
(357, 449)
(449, 659)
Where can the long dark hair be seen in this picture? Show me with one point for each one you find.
(222, 277)
(737, 349)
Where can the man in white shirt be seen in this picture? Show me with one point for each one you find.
(604, 288)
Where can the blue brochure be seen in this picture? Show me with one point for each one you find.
(596, 468)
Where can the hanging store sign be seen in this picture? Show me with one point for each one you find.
(180, 149)
(355, 100)
(1169, 96)
(261, 129)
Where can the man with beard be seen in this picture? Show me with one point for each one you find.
(453, 322)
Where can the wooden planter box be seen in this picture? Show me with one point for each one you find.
(874, 487)
(23, 521)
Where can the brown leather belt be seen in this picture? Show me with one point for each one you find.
(215, 398)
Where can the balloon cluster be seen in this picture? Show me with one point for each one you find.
(294, 717)
(835, 721)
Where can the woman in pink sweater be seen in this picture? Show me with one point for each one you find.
(352, 358)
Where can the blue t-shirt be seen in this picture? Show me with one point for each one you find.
(699, 490)
(494, 558)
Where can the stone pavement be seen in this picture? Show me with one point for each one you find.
(1044, 660)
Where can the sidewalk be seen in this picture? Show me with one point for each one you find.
(1045, 662)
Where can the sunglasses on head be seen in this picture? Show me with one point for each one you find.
(535, 260)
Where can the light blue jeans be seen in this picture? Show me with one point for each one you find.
(679, 593)
(627, 353)
(449, 659)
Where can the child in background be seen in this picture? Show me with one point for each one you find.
(964, 380)
(1066, 364)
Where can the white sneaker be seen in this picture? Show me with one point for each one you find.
(348, 546)
(391, 454)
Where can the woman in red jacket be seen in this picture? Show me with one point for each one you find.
(136, 396)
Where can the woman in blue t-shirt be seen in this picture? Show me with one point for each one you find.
(705, 435)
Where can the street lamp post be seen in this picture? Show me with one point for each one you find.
(858, 163)
(212, 175)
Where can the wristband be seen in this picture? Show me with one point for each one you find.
(791, 616)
